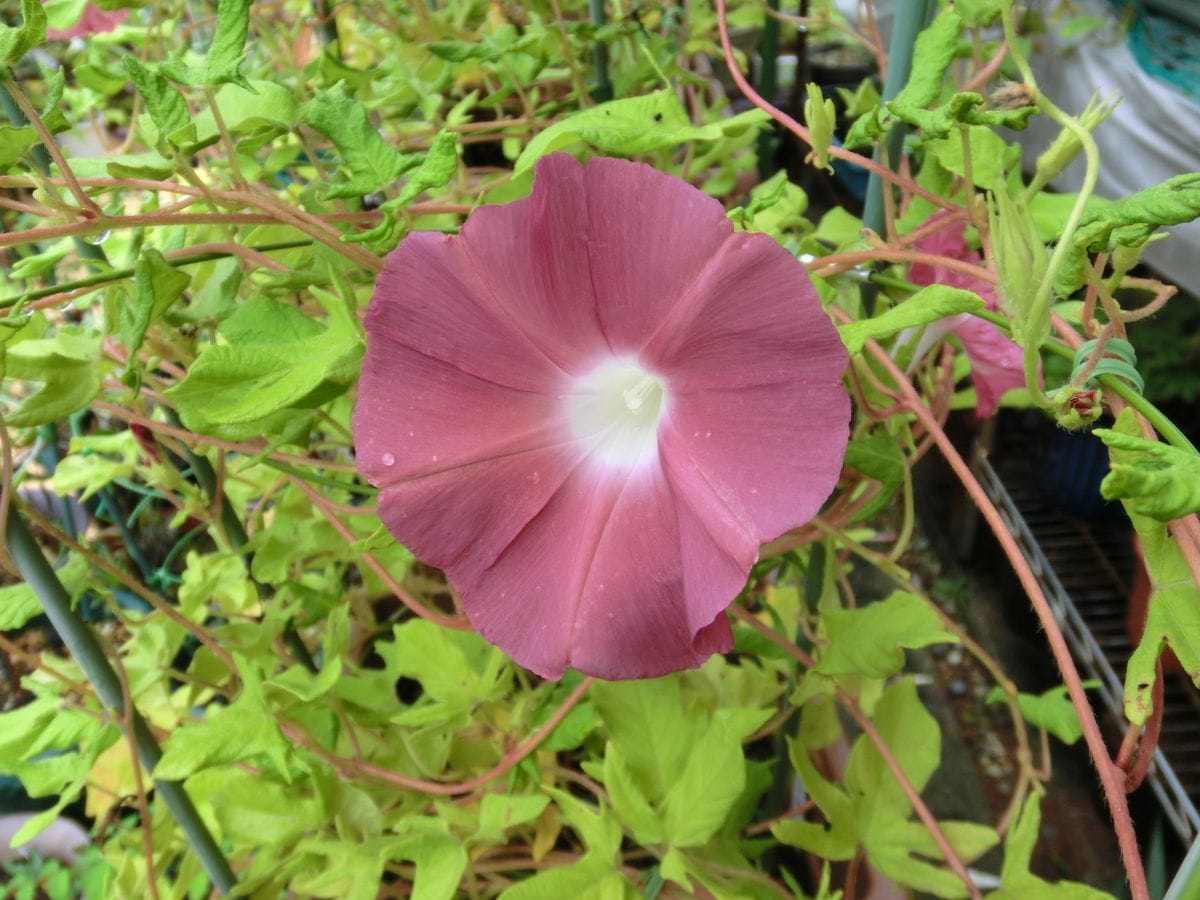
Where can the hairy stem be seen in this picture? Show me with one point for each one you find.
(1112, 780)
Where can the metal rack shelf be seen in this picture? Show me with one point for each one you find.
(1083, 571)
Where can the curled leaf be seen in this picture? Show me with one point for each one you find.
(936, 301)
(819, 116)
(1154, 479)
(1173, 617)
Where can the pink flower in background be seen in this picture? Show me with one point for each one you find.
(996, 361)
(591, 407)
(93, 21)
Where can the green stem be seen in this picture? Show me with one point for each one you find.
(327, 29)
(1119, 386)
(56, 602)
(312, 478)
(1186, 882)
(1031, 365)
(105, 504)
(603, 91)
(911, 16)
(768, 73)
(1042, 299)
(119, 274)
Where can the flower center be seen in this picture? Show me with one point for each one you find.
(616, 406)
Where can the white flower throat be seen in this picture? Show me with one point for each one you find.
(617, 406)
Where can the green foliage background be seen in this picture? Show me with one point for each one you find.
(183, 291)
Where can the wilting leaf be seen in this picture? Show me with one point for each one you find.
(1154, 479)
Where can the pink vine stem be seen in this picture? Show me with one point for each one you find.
(801, 132)
(850, 704)
(429, 615)
(1112, 778)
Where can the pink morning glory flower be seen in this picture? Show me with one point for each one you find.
(93, 21)
(996, 361)
(591, 407)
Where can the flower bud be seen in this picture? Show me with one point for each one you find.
(1014, 95)
(1074, 408)
(1021, 264)
(1066, 146)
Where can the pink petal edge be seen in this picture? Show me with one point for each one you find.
(561, 560)
(997, 363)
(93, 21)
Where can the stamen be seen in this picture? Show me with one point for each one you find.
(617, 406)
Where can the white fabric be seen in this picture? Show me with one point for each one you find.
(1152, 135)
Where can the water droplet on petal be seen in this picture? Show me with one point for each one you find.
(388, 459)
(535, 477)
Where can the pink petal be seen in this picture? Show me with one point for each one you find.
(93, 21)
(754, 368)
(997, 364)
(451, 315)
(417, 416)
(752, 318)
(717, 544)
(447, 380)
(600, 572)
(620, 566)
(563, 565)
(951, 241)
(532, 255)
(652, 236)
(462, 520)
(772, 453)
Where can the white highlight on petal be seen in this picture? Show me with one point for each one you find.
(616, 406)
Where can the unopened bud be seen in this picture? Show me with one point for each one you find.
(1014, 95)
(1066, 146)
(1075, 408)
(1125, 258)
(1021, 264)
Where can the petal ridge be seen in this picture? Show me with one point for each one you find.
(681, 312)
(428, 297)
(536, 251)
(506, 312)
(653, 234)
(491, 457)
(392, 334)
(451, 563)
(596, 544)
